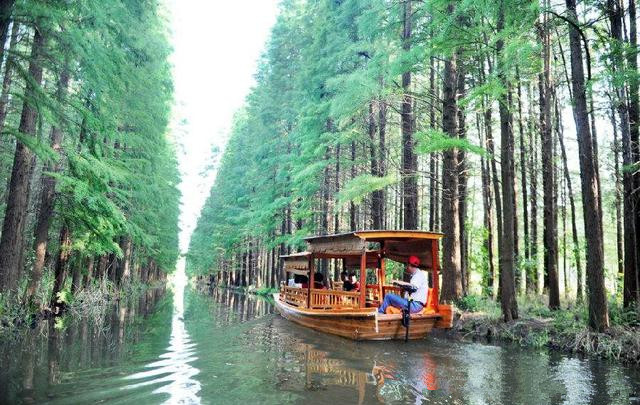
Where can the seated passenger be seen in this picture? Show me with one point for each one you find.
(419, 297)
(301, 281)
(355, 284)
(346, 284)
(318, 281)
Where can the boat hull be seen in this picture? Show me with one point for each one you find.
(358, 324)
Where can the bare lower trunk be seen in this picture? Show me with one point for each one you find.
(452, 278)
(507, 248)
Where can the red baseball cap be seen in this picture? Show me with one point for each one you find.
(414, 261)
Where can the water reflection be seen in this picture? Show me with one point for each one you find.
(222, 347)
(173, 371)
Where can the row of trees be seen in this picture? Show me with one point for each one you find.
(91, 175)
(446, 116)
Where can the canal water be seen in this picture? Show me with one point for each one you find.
(181, 346)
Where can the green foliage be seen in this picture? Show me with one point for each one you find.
(437, 141)
(357, 188)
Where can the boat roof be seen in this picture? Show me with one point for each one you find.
(378, 235)
(397, 245)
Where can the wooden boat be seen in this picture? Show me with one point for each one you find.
(353, 314)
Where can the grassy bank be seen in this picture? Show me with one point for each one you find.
(565, 330)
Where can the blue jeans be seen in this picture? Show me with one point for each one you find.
(398, 302)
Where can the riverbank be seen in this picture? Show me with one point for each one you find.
(564, 330)
(92, 302)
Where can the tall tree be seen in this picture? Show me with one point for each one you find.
(452, 277)
(409, 159)
(507, 249)
(598, 311)
(12, 240)
(550, 217)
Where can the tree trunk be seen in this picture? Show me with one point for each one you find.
(12, 240)
(507, 288)
(523, 186)
(572, 204)
(598, 313)
(630, 289)
(487, 199)
(634, 128)
(452, 277)
(533, 281)
(60, 269)
(382, 129)
(377, 196)
(409, 159)
(550, 216)
(462, 188)
(8, 76)
(47, 196)
(6, 8)
(618, 188)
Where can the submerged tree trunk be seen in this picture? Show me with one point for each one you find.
(598, 313)
(12, 240)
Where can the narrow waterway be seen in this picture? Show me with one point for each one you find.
(219, 347)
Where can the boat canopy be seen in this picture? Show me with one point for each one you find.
(396, 245)
(367, 250)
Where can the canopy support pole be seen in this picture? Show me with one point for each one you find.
(363, 278)
(310, 280)
(434, 266)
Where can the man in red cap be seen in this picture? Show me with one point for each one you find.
(418, 297)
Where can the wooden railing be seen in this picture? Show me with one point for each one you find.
(294, 296)
(391, 289)
(372, 293)
(329, 299)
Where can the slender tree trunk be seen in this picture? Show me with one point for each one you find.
(572, 204)
(533, 283)
(523, 186)
(550, 226)
(377, 196)
(12, 240)
(8, 76)
(630, 289)
(6, 9)
(634, 127)
(409, 159)
(598, 313)
(618, 188)
(487, 199)
(507, 288)
(452, 275)
(462, 187)
(382, 129)
(47, 197)
(60, 269)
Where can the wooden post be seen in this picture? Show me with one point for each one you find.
(382, 274)
(310, 280)
(434, 266)
(363, 278)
